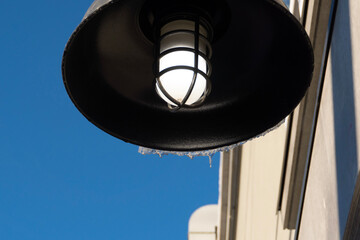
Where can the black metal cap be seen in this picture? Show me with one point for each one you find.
(262, 66)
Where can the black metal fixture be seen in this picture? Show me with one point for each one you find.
(140, 70)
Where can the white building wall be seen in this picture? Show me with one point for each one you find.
(335, 156)
(260, 177)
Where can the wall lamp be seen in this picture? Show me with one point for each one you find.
(187, 75)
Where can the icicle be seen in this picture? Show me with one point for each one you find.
(210, 161)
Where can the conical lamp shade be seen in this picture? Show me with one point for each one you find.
(262, 64)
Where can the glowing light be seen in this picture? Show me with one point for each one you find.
(178, 80)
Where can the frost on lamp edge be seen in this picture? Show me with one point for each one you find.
(209, 153)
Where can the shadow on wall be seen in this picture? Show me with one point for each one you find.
(344, 111)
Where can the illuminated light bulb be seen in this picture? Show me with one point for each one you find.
(181, 44)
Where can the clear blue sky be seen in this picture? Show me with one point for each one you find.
(60, 176)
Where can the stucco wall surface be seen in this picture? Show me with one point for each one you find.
(335, 156)
(260, 175)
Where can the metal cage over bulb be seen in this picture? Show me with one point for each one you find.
(183, 65)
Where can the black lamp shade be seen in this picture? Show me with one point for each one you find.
(262, 64)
